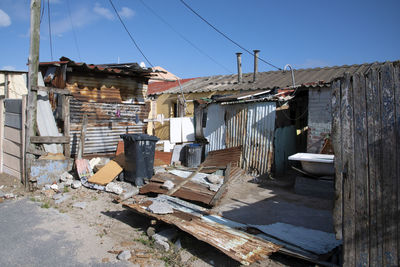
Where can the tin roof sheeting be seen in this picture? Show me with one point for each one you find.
(268, 80)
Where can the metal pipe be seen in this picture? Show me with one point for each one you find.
(291, 69)
(255, 64)
(239, 66)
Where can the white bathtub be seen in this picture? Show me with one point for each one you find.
(316, 164)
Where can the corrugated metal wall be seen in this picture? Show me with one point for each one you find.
(106, 122)
(249, 125)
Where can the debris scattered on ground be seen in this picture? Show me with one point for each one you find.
(114, 188)
(214, 187)
(161, 245)
(80, 205)
(158, 169)
(9, 195)
(62, 199)
(49, 193)
(54, 187)
(159, 207)
(128, 194)
(66, 176)
(168, 185)
(150, 231)
(124, 255)
(76, 184)
(58, 196)
(214, 179)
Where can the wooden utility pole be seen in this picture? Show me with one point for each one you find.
(33, 64)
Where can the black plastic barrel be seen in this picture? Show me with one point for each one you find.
(193, 155)
(139, 157)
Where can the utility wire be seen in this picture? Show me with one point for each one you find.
(126, 29)
(224, 35)
(73, 31)
(42, 11)
(51, 42)
(184, 38)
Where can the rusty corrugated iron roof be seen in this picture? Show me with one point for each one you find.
(310, 78)
(127, 69)
(158, 87)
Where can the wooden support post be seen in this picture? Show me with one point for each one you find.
(23, 132)
(66, 119)
(81, 147)
(33, 64)
(6, 94)
(1, 133)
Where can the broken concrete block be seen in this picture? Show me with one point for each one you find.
(9, 195)
(214, 187)
(80, 205)
(167, 235)
(68, 182)
(114, 188)
(128, 194)
(161, 245)
(214, 179)
(54, 187)
(168, 185)
(150, 231)
(159, 207)
(66, 176)
(62, 199)
(124, 255)
(76, 184)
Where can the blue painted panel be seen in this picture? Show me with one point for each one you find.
(46, 171)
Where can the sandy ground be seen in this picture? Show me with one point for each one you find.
(103, 228)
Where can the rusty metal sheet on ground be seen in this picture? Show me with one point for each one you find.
(236, 244)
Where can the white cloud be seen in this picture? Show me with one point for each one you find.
(102, 11)
(80, 18)
(5, 20)
(9, 68)
(126, 12)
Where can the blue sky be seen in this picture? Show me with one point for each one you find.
(301, 33)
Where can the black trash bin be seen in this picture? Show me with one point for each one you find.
(139, 157)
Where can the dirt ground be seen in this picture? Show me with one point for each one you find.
(117, 229)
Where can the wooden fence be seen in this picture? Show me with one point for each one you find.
(366, 139)
(12, 134)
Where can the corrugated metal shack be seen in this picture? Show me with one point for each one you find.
(254, 121)
(111, 95)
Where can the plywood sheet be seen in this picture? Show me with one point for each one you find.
(106, 174)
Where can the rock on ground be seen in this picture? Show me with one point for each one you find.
(76, 184)
(114, 188)
(159, 207)
(124, 255)
(168, 185)
(80, 205)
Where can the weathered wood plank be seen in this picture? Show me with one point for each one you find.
(52, 90)
(397, 130)
(23, 114)
(11, 172)
(375, 164)
(66, 118)
(348, 171)
(12, 134)
(389, 168)
(50, 139)
(12, 162)
(1, 133)
(81, 147)
(13, 120)
(13, 105)
(337, 144)
(361, 172)
(12, 148)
